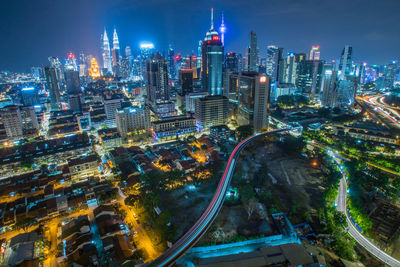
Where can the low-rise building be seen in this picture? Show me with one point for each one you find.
(81, 168)
(220, 132)
(171, 127)
(367, 132)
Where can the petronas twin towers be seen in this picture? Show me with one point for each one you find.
(110, 59)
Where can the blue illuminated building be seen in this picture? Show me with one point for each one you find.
(212, 60)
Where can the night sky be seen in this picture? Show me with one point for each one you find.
(32, 30)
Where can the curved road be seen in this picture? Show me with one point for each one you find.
(352, 230)
(204, 222)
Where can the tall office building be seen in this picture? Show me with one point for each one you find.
(254, 99)
(232, 62)
(290, 67)
(310, 76)
(339, 92)
(70, 62)
(107, 60)
(315, 54)
(146, 50)
(212, 60)
(83, 65)
(171, 62)
(128, 51)
(132, 119)
(37, 73)
(157, 79)
(211, 110)
(56, 64)
(124, 68)
(52, 87)
(252, 53)
(346, 62)
(186, 80)
(222, 30)
(199, 50)
(346, 91)
(274, 58)
(12, 121)
(391, 71)
(72, 82)
(329, 87)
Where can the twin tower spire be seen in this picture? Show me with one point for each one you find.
(115, 39)
(107, 57)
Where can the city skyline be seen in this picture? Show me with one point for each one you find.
(294, 26)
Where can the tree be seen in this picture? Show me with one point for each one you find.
(244, 131)
(246, 191)
(340, 219)
(292, 144)
(24, 223)
(250, 206)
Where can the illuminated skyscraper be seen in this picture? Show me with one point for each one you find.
(186, 81)
(124, 68)
(83, 69)
(391, 71)
(52, 87)
(315, 53)
(274, 58)
(37, 73)
(72, 82)
(128, 51)
(222, 30)
(290, 67)
(212, 60)
(252, 53)
(56, 64)
(232, 61)
(146, 50)
(254, 99)
(199, 55)
(30, 96)
(309, 76)
(328, 85)
(107, 62)
(157, 79)
(171, 63)
(345, 64)
(70, 62)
